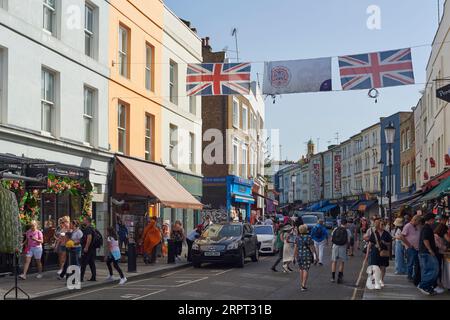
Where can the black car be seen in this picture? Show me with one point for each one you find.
(226, 243)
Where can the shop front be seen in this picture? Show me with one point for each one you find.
(239, 198)
(144, 189)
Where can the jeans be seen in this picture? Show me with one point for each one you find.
(400, 263)
(113, 261)
(319, 249)
(72, 258)
(412, 257)
(430, 270)
(189, 244)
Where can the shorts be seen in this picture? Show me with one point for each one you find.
(35, 252)
(61, 249)
(339, 253)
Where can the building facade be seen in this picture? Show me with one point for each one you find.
(407, 156)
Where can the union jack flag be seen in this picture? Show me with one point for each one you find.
(210, 79)
(377, 69)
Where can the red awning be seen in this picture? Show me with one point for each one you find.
(436, 180)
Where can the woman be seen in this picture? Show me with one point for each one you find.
(73, 247)
(150, 239)
(304, 253)
(288, 237)
(178, 236)
(165, 234)
(378, 248)
(61, 239)
(400, 261)
(114, 256)
(439, 233)
(352, 228)
(34, 240)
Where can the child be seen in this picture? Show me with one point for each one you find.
(114, 256)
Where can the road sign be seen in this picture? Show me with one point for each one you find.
(444, 93)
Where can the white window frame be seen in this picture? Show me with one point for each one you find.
(173, 142)
(173, 82)
(89, 34)
(48, 101)
(193, 105)
(4, 4)
(236, 159)
(89, 118)
(245, 123)
(149, 85)
(122, 130)
(244, 161)
(192, 151)
(53, 11)
(236, 113)
(148, 136)
(124, 51)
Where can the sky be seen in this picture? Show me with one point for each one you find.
(301, 29)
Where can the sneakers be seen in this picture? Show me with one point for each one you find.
(439, 290)
(321, 264)
(284, 269)
(23, 277)
(426, 292)
(59, 272)
(123, 281)
(303, 288)
(273, 269)
(381, 283)
(339, 280)
(39, 276)
(333, 280)
(110, 278)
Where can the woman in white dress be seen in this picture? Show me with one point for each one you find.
(288, 249)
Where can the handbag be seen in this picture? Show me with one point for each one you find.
(383, 253)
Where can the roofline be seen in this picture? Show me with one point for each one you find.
(178, 18)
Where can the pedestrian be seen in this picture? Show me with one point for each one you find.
(410, 236)
(34, 240)
(442, 246)
(61, 239)
(429, 265)
(178, 237)
(362, 232)
(319, 235)
(114, 256)
(279, 244)
(268, 222)
(340, 237)
(151, 237)
(207, 222)
(304, 253)
(122, 233)
(378, 249)
(288, 247)
(73, 247)
(399, 248)
(352, 228)
(190, 238)
(165, 233)
(88, 253)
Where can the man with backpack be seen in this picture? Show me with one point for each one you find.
(319, 235)
(340, 237)
(91, 241)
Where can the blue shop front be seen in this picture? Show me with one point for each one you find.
(239, 197)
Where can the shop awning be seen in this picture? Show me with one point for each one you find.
(245, 199)
(363, 205)
(327, 208)
(442, 189)
(142, 178)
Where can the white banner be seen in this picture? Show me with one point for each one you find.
(296, 76)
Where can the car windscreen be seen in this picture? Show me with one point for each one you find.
(264, 230)
(309, 219)
(222, 231)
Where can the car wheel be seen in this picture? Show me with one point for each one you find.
(241, 261)
(255, 257)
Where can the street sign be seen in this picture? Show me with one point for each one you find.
(444, 93)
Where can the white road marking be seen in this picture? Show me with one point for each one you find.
(80, 294)
(359, 279)
(225, 271)
(156, 292)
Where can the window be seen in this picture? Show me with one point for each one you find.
(192, 105)
(149, 126)
(408, 169)
(173, 131)
(4, 4)
(89, 31)
(236, 164)
(192, 152)
(173, 85)
(122, 128)
(49, 17)
(88, 115)
(244, 118)
(425, 130)
(403, 175)
(235, 113)
(124, 50)
(149, 66)
(244, 162)
(47, 100)
(408, 139)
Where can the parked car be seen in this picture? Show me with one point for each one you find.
(310, 221)
(319, 215)
(226, 243)
(266, 238)
(330, 223)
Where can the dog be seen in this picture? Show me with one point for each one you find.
(373, 278)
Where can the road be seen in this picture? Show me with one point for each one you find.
(221, 282)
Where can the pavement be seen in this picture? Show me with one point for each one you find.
(49, 286)
(224, 282)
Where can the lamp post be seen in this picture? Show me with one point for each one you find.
(389, 132)
(294, 177)
(381, 169)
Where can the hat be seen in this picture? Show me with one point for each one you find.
(429, 216)
(398, 222)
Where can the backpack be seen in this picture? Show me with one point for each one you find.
(318, 232)
(340, 236)
(97, 241)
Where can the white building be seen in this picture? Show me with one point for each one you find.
(181, 118)
(54, 88)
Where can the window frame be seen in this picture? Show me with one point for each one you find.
(244, 128)
(89, 117)
(244, 163)
(45, 102)
(124, 68)
(149, 134)
(89, 33)
(122, 130)
(173, 82)
(149, 67)
(173, 132)
(236, 113)
(192, 165)
(53, 10)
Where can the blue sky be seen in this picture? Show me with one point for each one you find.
(297, 29)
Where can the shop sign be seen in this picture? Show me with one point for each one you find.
(444, 93)
(38, 173)
(337, 173)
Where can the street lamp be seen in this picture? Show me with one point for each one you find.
(389, 132)
(294, 177)
(381, 169)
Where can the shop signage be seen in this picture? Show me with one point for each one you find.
(337, 173)
(444, 93)
(38, 173)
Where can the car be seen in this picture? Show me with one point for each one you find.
(230, 242)
(266, 238)
(310, 221)
(319, 215)
(330, 223)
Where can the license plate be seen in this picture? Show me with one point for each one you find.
(212, 254)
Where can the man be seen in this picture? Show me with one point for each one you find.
(410, 237)
(319, 235)
(207, 222)
(88, 249)
(279, 244)
(352, 228)
(427, 257)
(190, 238)
(268, 221)
(340, 237)
(444, 220)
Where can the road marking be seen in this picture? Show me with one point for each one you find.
(359, 279)
(156, 292)
(222, 272)
(80, 294)
(184, 283)
(171, 273)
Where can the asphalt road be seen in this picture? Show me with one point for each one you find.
(222, 282)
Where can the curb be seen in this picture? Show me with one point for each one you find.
(65, 291)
